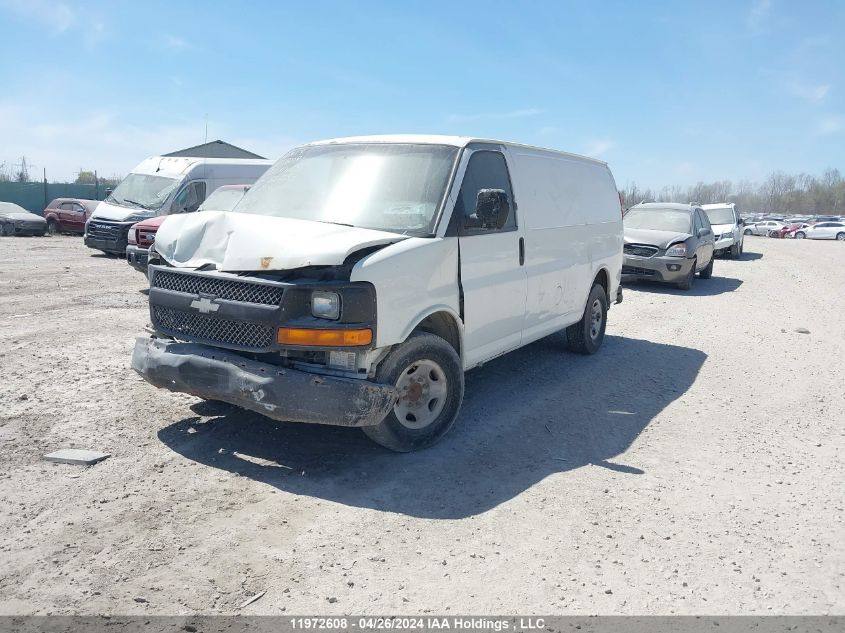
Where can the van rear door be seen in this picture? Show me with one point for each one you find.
(492, 275)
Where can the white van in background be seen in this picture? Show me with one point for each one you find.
(359, 278)
(160, 186)
(727, 228)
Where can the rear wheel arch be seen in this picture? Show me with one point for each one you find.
(602, 278)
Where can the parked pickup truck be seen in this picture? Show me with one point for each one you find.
(358, 280)
(142, 234)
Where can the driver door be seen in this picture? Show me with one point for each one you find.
(492, 274)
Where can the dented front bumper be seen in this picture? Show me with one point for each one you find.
(277, 392)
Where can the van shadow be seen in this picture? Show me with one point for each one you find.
(700, 287)
(750, 257)
(533, 413)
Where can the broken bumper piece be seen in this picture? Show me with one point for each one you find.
(277, 392)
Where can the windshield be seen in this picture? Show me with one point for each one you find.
(223, 199)
(723, 215)
(389, 187)
(143, 191)
(658, 219)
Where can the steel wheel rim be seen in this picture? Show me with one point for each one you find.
(423, 389)
(596, 319)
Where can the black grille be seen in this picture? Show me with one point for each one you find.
(199, 326)
(230, 289)
(640, 250)
(636, 270)
(103, 230)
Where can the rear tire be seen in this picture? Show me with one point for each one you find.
(840, 237)
(747, 232)
(707, 271)
(800, 235)
(686, 284)
(429, 375)
(586, 336)
(53, 227)
(8, 230)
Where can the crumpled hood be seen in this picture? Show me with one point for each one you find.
(660, 239)
(248, 242)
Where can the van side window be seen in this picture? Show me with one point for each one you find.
(190, 198)
(486, 170)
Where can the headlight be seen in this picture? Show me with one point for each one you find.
(677, 250)
(325, 305)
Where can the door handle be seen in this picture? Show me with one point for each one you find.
(521, 251)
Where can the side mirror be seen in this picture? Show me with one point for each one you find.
(491, 208)
(703, 232)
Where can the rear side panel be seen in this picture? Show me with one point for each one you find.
(573, 229)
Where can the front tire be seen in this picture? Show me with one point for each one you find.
(429, 376)
(686, 284)
(748, 232)
(735, 251)
(586, 336)
(53, 227)
(840, 237)
(707, 271)
(800, 235)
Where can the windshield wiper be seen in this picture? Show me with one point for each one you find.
(338, 223)
(138, 204)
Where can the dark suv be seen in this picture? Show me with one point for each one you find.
(667, 242)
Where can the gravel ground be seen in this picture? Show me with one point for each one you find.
(693, 466)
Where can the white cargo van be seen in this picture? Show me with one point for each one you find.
(159, 186)
(359, 278)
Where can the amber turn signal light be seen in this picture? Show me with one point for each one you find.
(323, 338)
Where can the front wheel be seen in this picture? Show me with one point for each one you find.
(735, 251)
(686, 284)
(429, 378)
(800, 235)
(53, 227)
(586, 336)
(840, 237)
(707, 271)
(748, 232)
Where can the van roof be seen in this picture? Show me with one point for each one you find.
(718, 205)
(442, 139)
(172, 166)
(678, 206)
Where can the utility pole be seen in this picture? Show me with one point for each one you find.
(206, 127)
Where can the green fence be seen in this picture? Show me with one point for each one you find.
(34, 196)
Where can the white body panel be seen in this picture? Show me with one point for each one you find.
(214, 172)
(726, 234)
(572, 225)
(413, 279)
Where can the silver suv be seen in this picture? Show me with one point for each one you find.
(667, 242)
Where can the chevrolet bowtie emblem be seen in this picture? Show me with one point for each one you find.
(204, 305)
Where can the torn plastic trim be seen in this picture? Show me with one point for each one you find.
(280, 393)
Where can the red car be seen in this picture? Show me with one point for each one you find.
(789, 231)
(68, 215)
(141, 237)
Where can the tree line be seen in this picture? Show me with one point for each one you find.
(780, 193)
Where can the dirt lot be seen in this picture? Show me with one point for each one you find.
(693, 466)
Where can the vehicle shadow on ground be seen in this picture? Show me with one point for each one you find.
(537, 411)
(700, 287)
(750, 257)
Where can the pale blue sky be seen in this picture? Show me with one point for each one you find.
(667, 93)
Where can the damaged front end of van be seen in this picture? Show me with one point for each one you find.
(264, 325)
